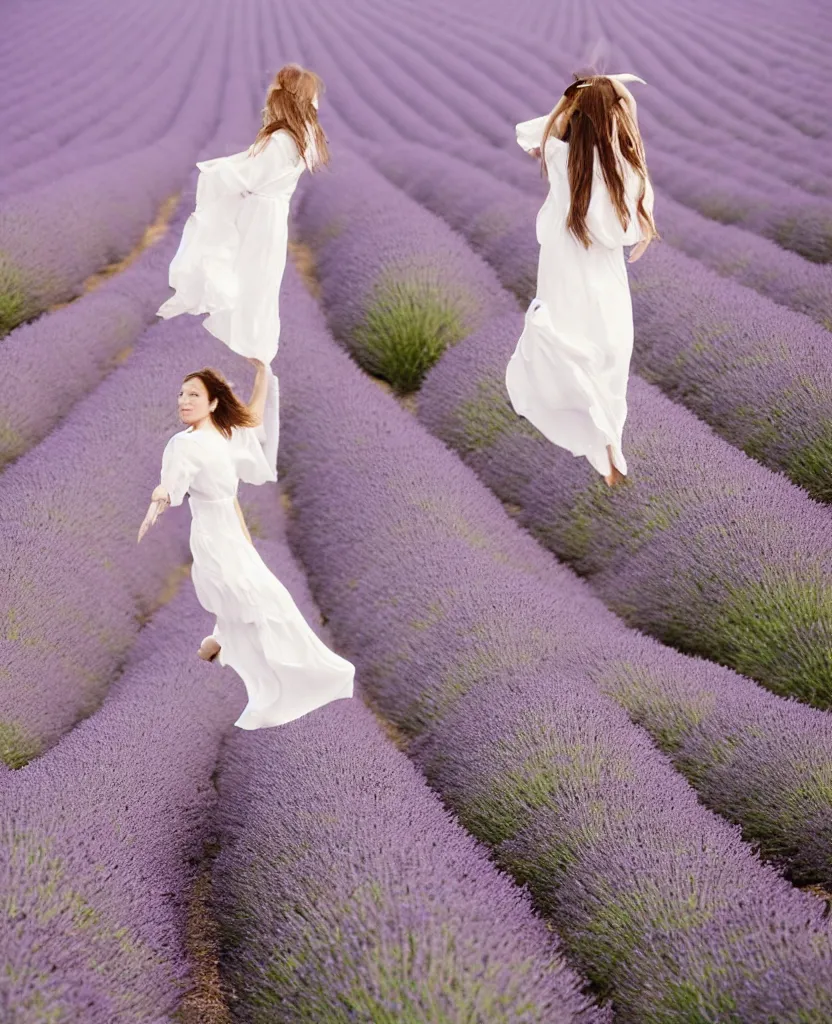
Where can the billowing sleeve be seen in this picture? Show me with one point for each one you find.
(249, 171)
(530, 133)
(254, 449)
(180, 466)
(602, 219)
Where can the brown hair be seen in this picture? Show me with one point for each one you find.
(594, 117)
(289, 107)
(230, 411)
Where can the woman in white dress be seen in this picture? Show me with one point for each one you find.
(259, 632)
(232, 254)
(568, 375)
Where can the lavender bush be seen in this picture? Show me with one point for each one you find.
(400, 297)
(703, 549)
(751, 261)
(803, 225)
(54, 238)
(394, 532)
(345, 892)
(57, 359)
(102, 836)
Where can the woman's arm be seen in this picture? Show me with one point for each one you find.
(627, 98)
(257, 402)
(159, 501)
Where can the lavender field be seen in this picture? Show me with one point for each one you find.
(587, 775)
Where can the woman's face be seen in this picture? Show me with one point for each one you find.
(194, 403)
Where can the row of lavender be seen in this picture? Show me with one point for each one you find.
(479, 647)
(78, 214)
(79, 343)
(743, 363)
(705, 549)
(352, 907)
(107, 91)
(377, 112)
(333, 851)
(517, 79)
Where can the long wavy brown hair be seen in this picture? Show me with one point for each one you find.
(230, 411)
(289, 107)
(592, 116)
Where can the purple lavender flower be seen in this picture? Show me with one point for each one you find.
(704, 549)
(57, 359)
(344, 890)
(399, 298)
(103, 833)
(454, 619)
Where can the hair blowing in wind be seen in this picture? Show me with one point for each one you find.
(290, 106)
(230, 411)
(593, 116)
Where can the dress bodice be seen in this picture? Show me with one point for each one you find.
(272, 171)
(208, 466)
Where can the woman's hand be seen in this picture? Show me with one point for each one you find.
(257, 363)
(158, 503)
(638, 251)
(534, 152)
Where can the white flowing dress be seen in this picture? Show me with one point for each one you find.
(232, 254)
(568, 375)
(286, 669)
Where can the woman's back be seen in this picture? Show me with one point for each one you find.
(602, 219)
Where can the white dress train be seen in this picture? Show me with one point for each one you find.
(232, 254)
(568, 375)
(286, 669)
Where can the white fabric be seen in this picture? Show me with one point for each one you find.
(286, 669)
(232, 254)
(568, 375)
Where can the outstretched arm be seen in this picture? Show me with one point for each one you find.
(159, 501)
(257, 402)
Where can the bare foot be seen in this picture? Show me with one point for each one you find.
(615, 476)
(208, 649)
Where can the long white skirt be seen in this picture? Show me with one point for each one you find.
(287, 670)
(568, 374)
